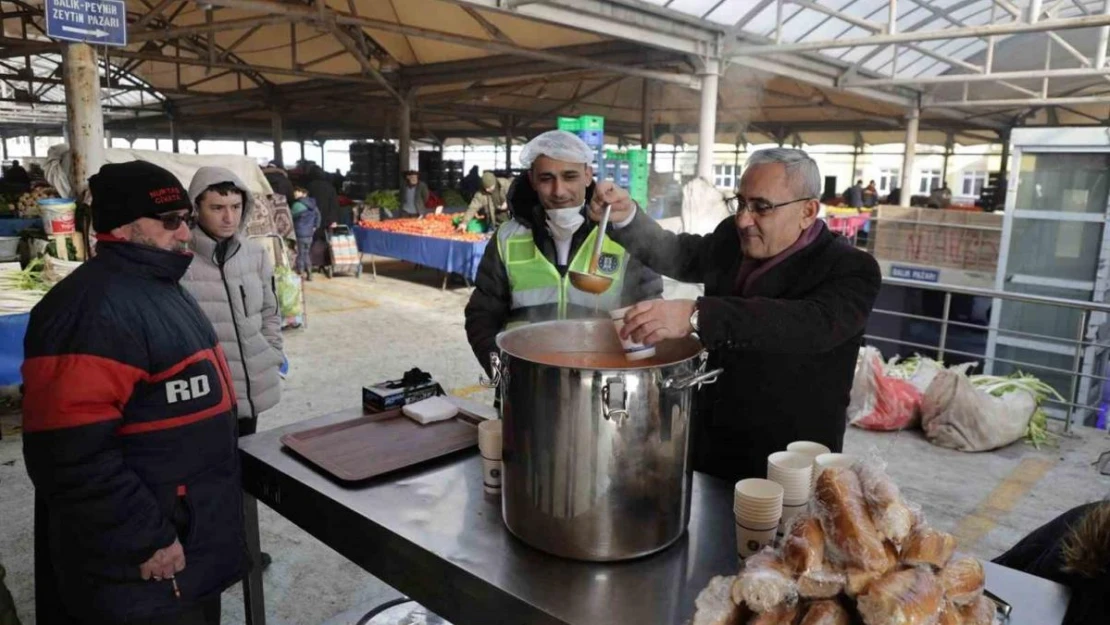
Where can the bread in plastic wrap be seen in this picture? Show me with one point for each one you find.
(950, 615)
(892, 517)
(714, 605)
(821, 584)
(905, 597)
(765, 582)
(825, 613)
(850, 536)
(784, 614)
(981, 611)
(963, 581)
(928, 546)
(803, 549)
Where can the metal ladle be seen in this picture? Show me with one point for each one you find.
(591, 282)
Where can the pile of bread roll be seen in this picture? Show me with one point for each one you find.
(859, 555)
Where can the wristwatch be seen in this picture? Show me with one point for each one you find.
(694, 319)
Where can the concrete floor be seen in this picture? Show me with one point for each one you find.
(363, 331)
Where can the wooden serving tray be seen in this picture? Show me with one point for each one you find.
(375, 444)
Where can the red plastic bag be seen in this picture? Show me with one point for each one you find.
(879, 401)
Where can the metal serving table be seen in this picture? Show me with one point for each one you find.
(432, 534)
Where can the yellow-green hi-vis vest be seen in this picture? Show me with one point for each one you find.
(540, 293)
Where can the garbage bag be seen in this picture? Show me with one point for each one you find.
(957, 415)
(879, 401)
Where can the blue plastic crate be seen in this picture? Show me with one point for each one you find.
(593, 138)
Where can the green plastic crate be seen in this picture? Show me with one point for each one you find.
(592, 122)
(570, 124)
(615, 155)
(637, 157)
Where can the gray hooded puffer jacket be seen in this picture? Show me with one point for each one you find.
(233, 281)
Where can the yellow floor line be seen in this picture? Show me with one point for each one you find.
(1004, 498)
(467, 391)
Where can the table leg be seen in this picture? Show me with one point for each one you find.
(374, 267)
(445, 277)
(254, 603)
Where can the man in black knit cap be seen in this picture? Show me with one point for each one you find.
(129, 421)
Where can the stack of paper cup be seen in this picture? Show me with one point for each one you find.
(489, 445)
(827, 461)
(632, 350)
(812, 450)
(793, 470)
(758, 508)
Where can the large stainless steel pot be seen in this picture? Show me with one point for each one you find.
(596, 448)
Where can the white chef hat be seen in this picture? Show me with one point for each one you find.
(559, 145)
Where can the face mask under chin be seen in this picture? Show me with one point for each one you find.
(564, 222)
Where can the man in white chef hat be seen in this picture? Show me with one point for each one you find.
(523, 274)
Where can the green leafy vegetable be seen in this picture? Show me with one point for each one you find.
(1037, 432)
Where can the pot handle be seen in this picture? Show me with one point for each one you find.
(607, 397)
(698, 379)
(495, 367)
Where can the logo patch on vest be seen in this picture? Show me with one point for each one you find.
(608, 263)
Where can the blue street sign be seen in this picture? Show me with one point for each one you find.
(101, 22)
(914, 273)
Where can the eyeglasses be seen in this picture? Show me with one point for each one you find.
(737, 205)
(173, 221)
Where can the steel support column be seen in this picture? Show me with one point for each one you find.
(175, 145)
(4, 145)
(949, 146)
(84, 117)
(404, 136)
(646, 138)
(1005, 168)
(912, 120)
(1103, 39)
(277, 129)
(707, 125)
(32, 135)
(509, 143)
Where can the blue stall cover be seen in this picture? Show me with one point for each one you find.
(459, 257)
(12, 227)
(12, 330)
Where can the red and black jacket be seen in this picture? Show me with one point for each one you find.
(130, 436)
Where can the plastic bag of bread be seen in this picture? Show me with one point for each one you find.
(950, 615)
(803, 549)
(981, 611)
(850, 536)
(765, 582)
(906, 597)
(928, 546)
(784, 614)
(821, 584)
(892, 517)
(963, 581)
(714, 605)
(825, 613)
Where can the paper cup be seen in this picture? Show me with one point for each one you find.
(632, 350)
(794, 471)
(751, 537)
(489, 445)
(809, 448)
(827, 461)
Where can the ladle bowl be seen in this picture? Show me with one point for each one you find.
(589, 282)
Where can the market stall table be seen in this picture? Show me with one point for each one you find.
(449, 256)
(430, 533)
(12, 227)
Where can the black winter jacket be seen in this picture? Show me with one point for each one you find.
(1074, 550)
(487, 312)
(130, 438)
(788, 349)
(321, 189)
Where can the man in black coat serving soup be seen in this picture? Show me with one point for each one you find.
(785, 307)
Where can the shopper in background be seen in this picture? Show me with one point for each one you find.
(414, 195)
(129, 424)
(470, 184)
(855, 195)
(785, 307)
(523, 274)
(1074, 550)
(306, 219)
(490, 204)
(232, 278)
(279, 181)
(18, 177)
(321, 189)
(870, 195)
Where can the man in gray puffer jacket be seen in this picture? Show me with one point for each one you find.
(232, 278)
